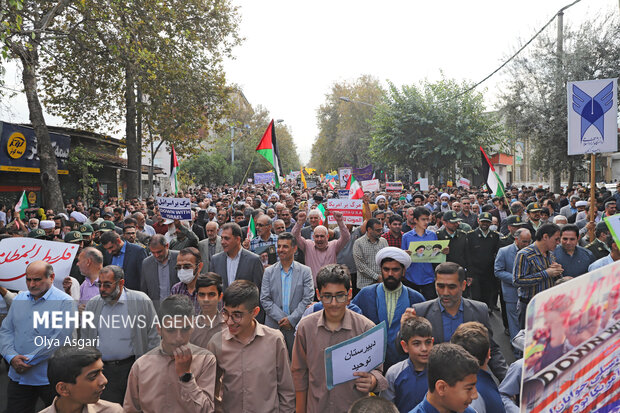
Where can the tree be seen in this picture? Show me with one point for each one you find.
(534, 99)
(26, 29)
(160, 61)
(433, 127)
(82, 163)
(344, 126)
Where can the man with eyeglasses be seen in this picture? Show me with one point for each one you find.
(189, 266)
(120, 343)
(466, 215)
(364, 251)
(264, 236)
(159, 272)
(252, 359)
(332, 325)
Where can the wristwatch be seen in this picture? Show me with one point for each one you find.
(186, 377)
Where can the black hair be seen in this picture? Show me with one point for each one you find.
(209, 279)
(419, 211)
(109, 236)
(66, 363)
(242, 292)
(394, 218)
(118, 272)
(288, 236)
(333, 274)
(130, 221)
(194, 252)
(546, 229)
(372, 404)
(450, 268)
(372, 222)
(436, 246)
(450, 363)
(234, 228)
(176, 305)
(415, 326)
(473, 337)
(570, 228)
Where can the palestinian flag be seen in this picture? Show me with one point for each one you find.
(22, 205)
(174, 170)
(268, 147)
(321, 209)
(355, 190)
(490, 177)
(251, 229)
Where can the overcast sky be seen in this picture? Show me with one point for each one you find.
(294, 51)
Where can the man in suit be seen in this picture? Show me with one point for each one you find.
(124, 254)
(159, 271)
(571, 208)
(287, 290)
(388, 300)
(211, 245)
(450, 309)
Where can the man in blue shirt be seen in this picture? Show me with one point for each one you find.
(574, 259)
(420, 275)
(27, 346)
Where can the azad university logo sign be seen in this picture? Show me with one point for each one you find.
(592, 116)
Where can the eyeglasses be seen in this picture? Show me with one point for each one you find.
(184, 267)
(99, 284)
(236, 316)
(262, 225)
(328, 298)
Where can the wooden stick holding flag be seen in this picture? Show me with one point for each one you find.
(268, 148)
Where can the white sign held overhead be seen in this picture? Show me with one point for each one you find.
(592, 116)
(370, 186)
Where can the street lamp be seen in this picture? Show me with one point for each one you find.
(349, 100)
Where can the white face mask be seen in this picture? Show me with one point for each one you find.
(493, 227)
(186, 276)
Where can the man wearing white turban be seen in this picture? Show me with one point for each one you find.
(388, 300)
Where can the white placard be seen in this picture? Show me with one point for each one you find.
(592, 116)
(394, 187)
(351, 210)
(464, 182)
(343, 176)
(423, 184)
(370, 186)
(17, 253)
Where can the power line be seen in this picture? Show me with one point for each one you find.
(513, 56)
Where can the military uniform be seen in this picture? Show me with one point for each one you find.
(458, 242)
(481, 259)
(598, 248)
(507, 240)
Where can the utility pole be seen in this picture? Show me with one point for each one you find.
(232, 144)
(556, 175)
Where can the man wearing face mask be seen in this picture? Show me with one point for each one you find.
(159, 271)
(483, 244)
(388, 300)
(189, 266)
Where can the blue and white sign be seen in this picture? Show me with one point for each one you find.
(592, 116)
(175, 208)
(264, 178)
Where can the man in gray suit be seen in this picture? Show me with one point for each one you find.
(159, 271)
(211, 245)
(286, 291)
(450, 309)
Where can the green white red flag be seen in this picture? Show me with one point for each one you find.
(174, 170)
(22, 205)
(321, 209)
(490, 177)
(251, 229)
(355, 190)
(268, 148)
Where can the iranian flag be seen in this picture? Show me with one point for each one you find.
(321, 209)
(251, 229)
(268, 147)
(332, 184)
(490, 177)
(355, 190)
(22, 205)
(174, 170)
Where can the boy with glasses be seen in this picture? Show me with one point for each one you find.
(332, 325)
(252, 359)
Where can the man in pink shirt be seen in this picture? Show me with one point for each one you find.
(320, 252)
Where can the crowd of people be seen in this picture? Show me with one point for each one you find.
(228, 319)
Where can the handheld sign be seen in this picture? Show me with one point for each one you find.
(343, 176)
(428, 251)
(351, 210)
(175, 208)
(358, 354)
(371, 185)
(394, 187)
(264, 178)
(17, 253)
(343, 194)
(613, 223)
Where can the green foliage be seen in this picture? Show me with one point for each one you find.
(432, 127)
(206, 169)
(534, 99)
(82, 163)
(344, 127)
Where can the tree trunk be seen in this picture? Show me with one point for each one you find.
(571, 177)
(133, 151)
(50, 184)
(556, 183)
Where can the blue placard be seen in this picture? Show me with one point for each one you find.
(264, 178)
(175, 208)
(343, 194)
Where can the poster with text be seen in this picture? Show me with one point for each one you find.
(351, 210)
(394, 187)
(343, 176)
(428, 251)
(572, 346)
(371, 185)
(174, 208)
(265, 178)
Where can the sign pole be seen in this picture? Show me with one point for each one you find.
(592, 193)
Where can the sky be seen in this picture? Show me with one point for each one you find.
(295, 51)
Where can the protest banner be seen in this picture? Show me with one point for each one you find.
(362, 174)
(175, 208)
(423, 184)
(17, 253)
(370, 186)
(343, 194)
(343, 176)
(592, 116)
(394, 187)
(358, 354)
(264, 178)
(351, 210)
(572, 340)
(428, 251)
(613, 223)
(465, 183)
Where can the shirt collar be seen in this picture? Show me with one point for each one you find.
(123, 247)
(289, 268)
(259, 330)
(443, 309)
(346, 323)
(393, 292)
(44, 296)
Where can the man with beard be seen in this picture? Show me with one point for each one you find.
(387, 301)
(125, 255)
(120, 345)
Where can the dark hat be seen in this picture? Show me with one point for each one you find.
(37, 233)
(106, 226)
(73, 237)
(86, 229)
(75, 226)
(514, 221)
(451, 216)
(534, 206)
(418, 195)
(485, 216)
